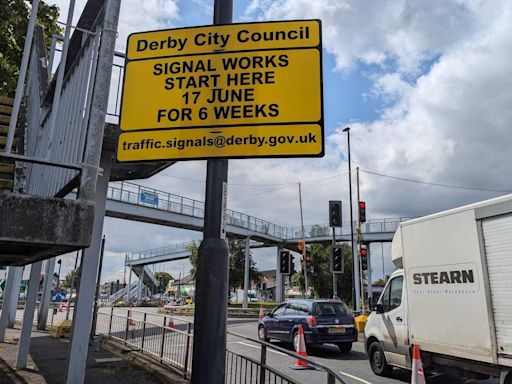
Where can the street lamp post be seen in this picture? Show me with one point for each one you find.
(355, 264)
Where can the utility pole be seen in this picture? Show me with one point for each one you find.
(304, 248)
(210, 319)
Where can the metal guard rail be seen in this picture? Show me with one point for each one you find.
(170, 346)
(332, 377)
(174, 348)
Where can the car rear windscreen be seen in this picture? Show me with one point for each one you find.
(330, 309)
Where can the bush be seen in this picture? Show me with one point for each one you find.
(265, 304)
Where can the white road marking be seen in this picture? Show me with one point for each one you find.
(269, 350)
(355, 377)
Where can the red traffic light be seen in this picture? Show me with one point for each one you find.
(362, 205)
(363, 251)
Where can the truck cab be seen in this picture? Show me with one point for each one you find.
(386, 333)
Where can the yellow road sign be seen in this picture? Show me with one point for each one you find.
(201, 143)
(229, 89)
(256, 81)
(224, 38)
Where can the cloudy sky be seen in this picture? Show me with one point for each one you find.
(426, 87)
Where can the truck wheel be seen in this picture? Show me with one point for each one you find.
(378, 360)
(345, 347)
(262, 334)
(507, 379)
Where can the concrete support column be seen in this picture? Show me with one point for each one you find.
(139, 291)
(246, 271)
(82, 319)
(42, 316)
(13, 305)
(128, 298)
(28, 316)
(11, 293)
(279, 279)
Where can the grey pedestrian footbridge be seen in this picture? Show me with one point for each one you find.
(131, 201)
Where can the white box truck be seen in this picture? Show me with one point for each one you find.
(452, 294)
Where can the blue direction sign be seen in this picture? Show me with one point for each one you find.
(148, 197)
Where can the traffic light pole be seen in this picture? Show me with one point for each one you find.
(334, 279)
(304, 249)
(210, 319)
(359, 243)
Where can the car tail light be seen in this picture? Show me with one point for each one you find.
(311, 321)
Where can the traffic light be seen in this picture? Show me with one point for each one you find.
(284, 262)
(362, 212)
(300, 244)
(363, 253)
(337, 259)
(335, 213)
(309, 261)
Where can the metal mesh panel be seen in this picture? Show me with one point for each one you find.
(66, 145)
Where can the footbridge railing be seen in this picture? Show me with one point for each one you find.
(153, 198)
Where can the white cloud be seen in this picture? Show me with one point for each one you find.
(446, 121)
(377, 32)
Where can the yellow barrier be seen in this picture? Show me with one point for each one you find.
(61, 330)
(361, 322)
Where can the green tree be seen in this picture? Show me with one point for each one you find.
(236, 263)
(71, 278)
(321, 280)
(163, 278)
(379, 283)
(14, 15)
(193, 248)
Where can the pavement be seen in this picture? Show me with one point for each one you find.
(47, 363)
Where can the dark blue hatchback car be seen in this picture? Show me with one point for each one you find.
(323, 321)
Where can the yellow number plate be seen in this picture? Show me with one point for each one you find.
(336, 330)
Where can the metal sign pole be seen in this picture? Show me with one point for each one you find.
(212, 266)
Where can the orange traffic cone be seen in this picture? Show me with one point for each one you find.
(301, 350)
(261, 315)
(170, 324)
(131, 321)
(418, 377)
